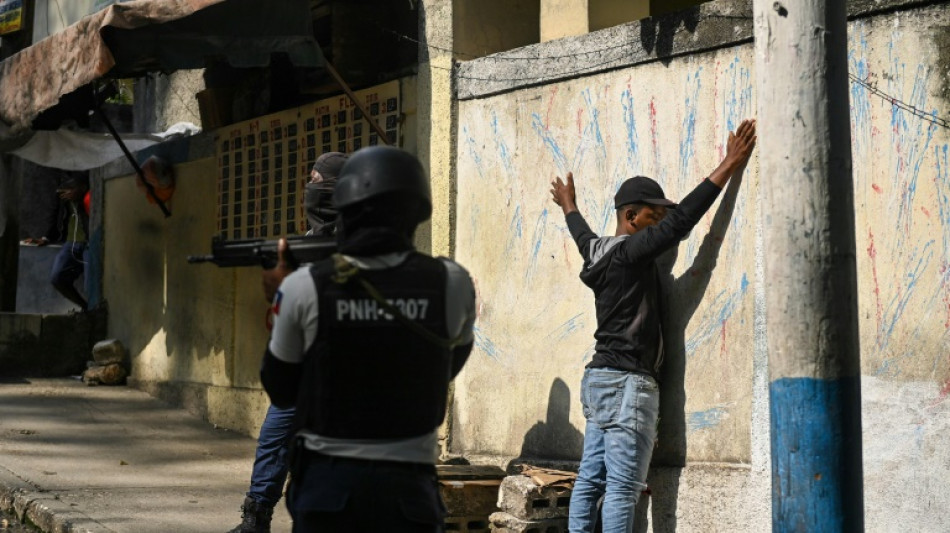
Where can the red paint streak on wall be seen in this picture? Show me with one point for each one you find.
(946, 294)
(897, 148)
(722, 348)
(653, 129)
(720, 148)
(872, 253)
(547, 116)
(580, 113)
(876, 188)
(924, 209)
(478, 298)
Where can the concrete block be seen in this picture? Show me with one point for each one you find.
(468, 524)
(108, 351)
(524, 499)
(470, 490)
(505, 523)
(110, 374)
(470, 497)
(470, 493)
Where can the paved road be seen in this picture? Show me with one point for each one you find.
(114, 459)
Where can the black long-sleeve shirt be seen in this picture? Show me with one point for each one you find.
(622, 272)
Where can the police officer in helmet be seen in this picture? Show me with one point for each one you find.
(365, 344)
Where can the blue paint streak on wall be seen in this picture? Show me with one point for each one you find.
(914, 151)
(593, 130)
(710, 326)
(688, 132)
(860, 97)
(633, 142)
(515, 231)
(817, 481)
(485, 344)
(537, 239)
(943, 193)
(560, 160)
(572, 325)
(473, 151)
(737, 103)
(707, 419)
(503, 153)
(895, 308)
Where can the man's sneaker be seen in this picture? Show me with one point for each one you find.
(255, 517)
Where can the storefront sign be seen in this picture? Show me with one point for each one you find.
(11, 16)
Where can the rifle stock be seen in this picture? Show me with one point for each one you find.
(263, 253)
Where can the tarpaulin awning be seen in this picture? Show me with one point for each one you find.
(69, 149)
(133, 38)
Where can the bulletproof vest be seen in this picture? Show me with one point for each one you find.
(367, 376)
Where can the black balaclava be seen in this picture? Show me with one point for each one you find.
(318, 197)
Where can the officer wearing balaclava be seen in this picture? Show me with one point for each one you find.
(318, 194)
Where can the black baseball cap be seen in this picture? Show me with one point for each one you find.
(641, 190)
(330, 164)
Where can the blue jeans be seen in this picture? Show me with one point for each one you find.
(621, 410)
(270, 461)
(69, 264)
(343, 495)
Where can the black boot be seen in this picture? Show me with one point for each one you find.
(255, 517)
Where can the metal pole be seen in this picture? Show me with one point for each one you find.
(811, 304)
(135, 164)
(380, 132)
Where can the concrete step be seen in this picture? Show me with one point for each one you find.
(37, 345)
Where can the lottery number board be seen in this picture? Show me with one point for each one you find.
(264, 163)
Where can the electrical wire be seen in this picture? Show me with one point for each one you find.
(928, 117)
(931, 117)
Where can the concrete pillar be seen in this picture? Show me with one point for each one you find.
(606, 13)
(437, 119)
(563, 18)
(811, 302)
(483, 27)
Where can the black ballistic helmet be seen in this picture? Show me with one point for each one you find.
(378, 171)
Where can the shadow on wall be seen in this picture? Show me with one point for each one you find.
(555, 438)
(682, 296)
(658, 34)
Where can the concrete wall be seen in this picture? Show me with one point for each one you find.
(162, 100)
(483, 27)
(607, 13)
(667, 115)
(563, 18)
(195, 333)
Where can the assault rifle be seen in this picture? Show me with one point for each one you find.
(263, 253)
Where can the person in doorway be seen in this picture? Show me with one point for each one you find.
(365, 345)
(269, 474)
(619, 391)
(70, 262)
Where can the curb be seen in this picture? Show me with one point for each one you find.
(44, 509)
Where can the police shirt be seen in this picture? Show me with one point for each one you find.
(295, 309)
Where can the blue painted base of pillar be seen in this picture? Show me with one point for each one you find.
(817, 480)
